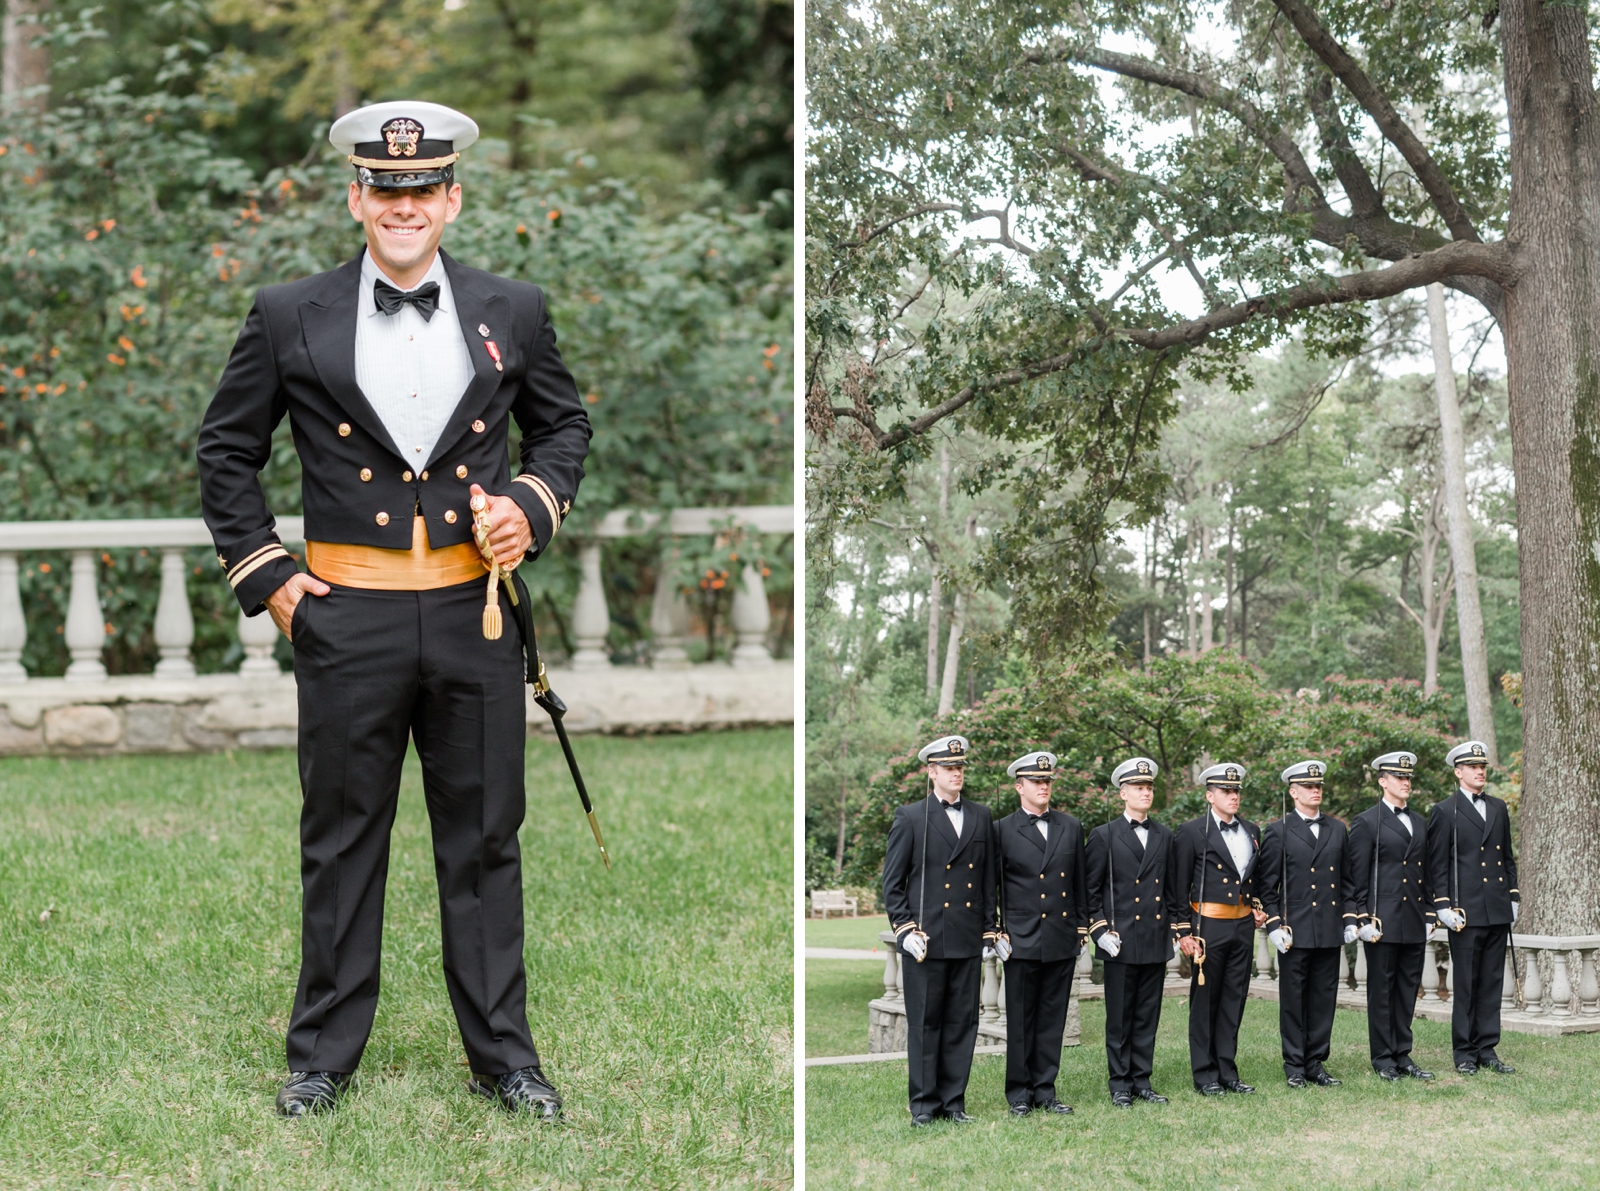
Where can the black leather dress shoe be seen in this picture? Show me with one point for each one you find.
(311, 1091)
(921, 1120)
(523, 1090)
(1210, 1089)
(1500, 1068)
(1466, 1068)
(1242, 1089)
(1323, 1080)
(960, 1118)
(1388, 1073)
(1297, 1081)
(1121, 1100)
(1150, 1097)
(1056, 1107)
(1415, 1072)
(1021, 1110)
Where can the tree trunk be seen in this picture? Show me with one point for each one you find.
(1552, 337)
(934, 596)
(952, 657)
(23, 65)
(1469, 613)
(844, 804)
(1207, 557)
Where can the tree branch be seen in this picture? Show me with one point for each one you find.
(1365, 200)
(1376, 104)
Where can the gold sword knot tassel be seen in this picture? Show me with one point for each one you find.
(493, 625)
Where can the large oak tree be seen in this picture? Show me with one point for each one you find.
(995, 190)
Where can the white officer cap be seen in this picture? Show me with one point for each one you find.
(1305, 773)
(1473, 752)
(1040, 766)
(1401, 763)
(1228, 775)
(1136, 769)
(947, 750)
(405, 142)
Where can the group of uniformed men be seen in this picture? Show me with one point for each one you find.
(961, 888)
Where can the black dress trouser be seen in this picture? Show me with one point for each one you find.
(374, 669)
(1394, 974)
(1308, 990)
(1133, 1012)
(1036, 1018)
(1217, 1006)
(1478, 966)
(941, 1030)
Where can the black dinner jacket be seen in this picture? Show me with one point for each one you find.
(1487, 883)
(1405, 897)
(1147, 911)
(1316, 869)
(1204, 864)
(1044, 908)
(959, 876)
(296, 356)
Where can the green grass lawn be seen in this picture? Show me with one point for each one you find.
(149, 924)
(846, 932)
(1535, 1129)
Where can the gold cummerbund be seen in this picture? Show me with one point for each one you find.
(1220, 910)
(416, 569)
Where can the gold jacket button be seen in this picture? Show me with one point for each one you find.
(366, 474)
(424, 477)
(406, 476)
(947, 905)
(477, 426)
(383, 518)
(461, 472)
(344, 429)
(947, 886)
(449, 516)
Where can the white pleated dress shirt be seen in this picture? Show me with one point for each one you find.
(413, 371)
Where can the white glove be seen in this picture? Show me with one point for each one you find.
(1368, 933)
(1109, 943)
(1279, 940)
(1350, 933)
(1002, 947)
(988, 953)
(914, 945)
(1515, 908)
(1450, 919)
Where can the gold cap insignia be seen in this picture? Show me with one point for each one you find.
(402, 135)
(1044, 762)
(1477, 750)
(954, 746)
(1313, 770)
(1233, 774)
(1144, 767)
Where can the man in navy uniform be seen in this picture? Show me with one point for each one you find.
(1215, 871)
(400, 372)
(1394, 905)
(939, 889)
(1307, 893)
(1134, 916)
(1474, 878)
(1043, 918)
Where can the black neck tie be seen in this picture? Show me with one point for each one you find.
(425, 298)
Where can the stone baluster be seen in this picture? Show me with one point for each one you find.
(1175, 966)
(751, 618)
(1508, 987)
(1344, 968)
(174, 620)
(669, 616)
(1588, 985)
(86, 623)
(1532, 984)
(591, 619)
(1000, 994)
(1084, 972)
(1449, 971)
(1264, 952)
(1560, 985)
(258, 635)
(13, 624)
(891, 974)
(1361, 969)
(1430, 973)
(989, 994)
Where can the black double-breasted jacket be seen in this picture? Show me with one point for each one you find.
(1484, 884)
(1043, 905)
(1205, 871)
(1315, 872)
(1404, 902)
(1132, 890)
(296, 356)
(953, 877)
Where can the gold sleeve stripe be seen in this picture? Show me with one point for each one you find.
(543, 493)
(256, 553)
(904, 926)
(254, 563)
(550, 495)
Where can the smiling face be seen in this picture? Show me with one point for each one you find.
(1473, 778)
(404, 226)
(948, 780)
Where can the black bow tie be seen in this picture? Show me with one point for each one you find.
(425, 298)
(1311, 822)
(1033, 818)
(952, 806)
(1233, 826)
(1398, 810)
